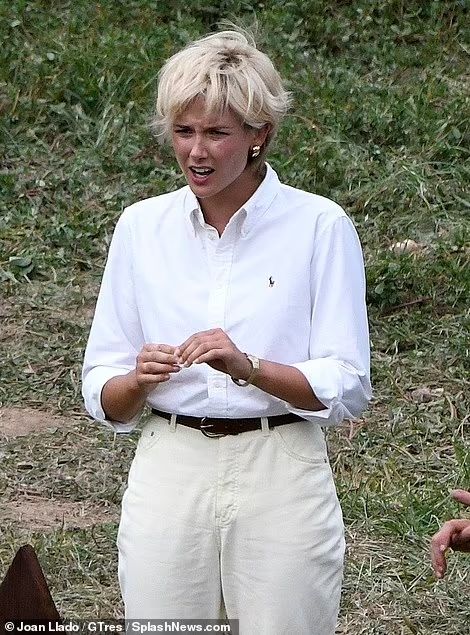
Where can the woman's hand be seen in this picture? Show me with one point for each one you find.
(454, 534)
(124, 396)
(214, 347)
(155, 364)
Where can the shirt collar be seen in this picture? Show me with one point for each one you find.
(255, 207)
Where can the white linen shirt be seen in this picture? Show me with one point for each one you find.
(285, 281)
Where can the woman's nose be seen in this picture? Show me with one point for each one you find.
(198, 149)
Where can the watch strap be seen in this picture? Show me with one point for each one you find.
(246, 382)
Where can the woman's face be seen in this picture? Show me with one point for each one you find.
(212, 151)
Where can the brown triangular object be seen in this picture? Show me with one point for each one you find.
(24, 594)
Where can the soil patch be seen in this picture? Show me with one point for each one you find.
(42, 514)
(20, 422)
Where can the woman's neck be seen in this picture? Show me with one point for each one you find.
(219, 209)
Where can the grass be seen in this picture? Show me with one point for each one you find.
(380, 124)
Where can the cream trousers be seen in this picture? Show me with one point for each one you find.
(247, 526)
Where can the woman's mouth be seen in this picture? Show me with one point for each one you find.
(200, 175)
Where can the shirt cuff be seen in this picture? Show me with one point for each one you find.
(92, 387)
(331, 382)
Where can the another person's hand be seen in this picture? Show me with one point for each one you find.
(454, 534)
(155, 364)
(214, 347)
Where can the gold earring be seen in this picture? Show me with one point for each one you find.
(255, 150)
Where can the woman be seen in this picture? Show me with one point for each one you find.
(234, 308)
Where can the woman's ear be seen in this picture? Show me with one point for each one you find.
(262, 135)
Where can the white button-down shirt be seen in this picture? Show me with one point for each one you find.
(285, 281)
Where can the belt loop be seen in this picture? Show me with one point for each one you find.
(265, 427)
(172, 423)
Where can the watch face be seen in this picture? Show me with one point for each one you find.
(255, 361)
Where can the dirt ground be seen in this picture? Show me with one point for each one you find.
(42, 514)
(38, 513)
(20, 422)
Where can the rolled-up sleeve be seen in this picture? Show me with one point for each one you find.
(339, 350)
(116, 334)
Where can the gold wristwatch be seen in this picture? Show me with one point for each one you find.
(246, 382)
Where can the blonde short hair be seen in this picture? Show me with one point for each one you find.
(230, 72)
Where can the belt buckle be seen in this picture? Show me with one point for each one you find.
(206, 432)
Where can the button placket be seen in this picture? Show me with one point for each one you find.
(220, 266)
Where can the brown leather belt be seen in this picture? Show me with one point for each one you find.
(220, 427)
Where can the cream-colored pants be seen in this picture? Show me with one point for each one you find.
(248, 526)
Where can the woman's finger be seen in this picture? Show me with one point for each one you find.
(200, 353)
(215, 335)
(199, 344)
(163, 348)
(163, 353)
(155, 368)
